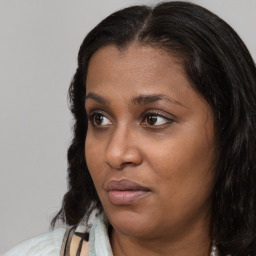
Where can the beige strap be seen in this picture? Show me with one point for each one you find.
(72, 244)
(66, 240)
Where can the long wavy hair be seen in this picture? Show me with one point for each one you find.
(220, 68)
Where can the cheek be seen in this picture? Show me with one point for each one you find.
(183, 164)
(93, 158)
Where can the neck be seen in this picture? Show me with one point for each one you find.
(193, 244)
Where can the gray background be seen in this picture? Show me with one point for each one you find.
(39, 41)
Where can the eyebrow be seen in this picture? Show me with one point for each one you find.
(97, 98)
(143, 99)
(151, 98)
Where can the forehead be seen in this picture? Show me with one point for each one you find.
(134, 64)
(123, 75)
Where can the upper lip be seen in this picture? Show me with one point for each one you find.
(124, 185)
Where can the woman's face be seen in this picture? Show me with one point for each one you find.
(150, 143)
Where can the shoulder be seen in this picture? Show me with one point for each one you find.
(47, 244)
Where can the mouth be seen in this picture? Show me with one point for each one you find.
(125, 192)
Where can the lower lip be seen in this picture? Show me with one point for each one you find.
(126, 197)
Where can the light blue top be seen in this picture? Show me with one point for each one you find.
(49, 244)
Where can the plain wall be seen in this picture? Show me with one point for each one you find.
(39, 41)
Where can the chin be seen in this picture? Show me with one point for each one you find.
(130, 223)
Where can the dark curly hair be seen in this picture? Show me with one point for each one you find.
(221, 69)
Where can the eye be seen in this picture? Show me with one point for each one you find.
(98, 119)
(154, 119)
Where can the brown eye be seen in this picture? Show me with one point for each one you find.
(99, 120)
(151, 119)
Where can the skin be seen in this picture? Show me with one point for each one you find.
(166, 145)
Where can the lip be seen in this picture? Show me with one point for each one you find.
(125, 192)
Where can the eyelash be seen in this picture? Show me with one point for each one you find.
(93, 114)
(155, 113)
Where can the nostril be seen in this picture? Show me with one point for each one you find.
(121, 166)
(130, 156)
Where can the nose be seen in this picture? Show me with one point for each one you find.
(123, 149)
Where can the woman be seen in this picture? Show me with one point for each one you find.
(164, 141)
